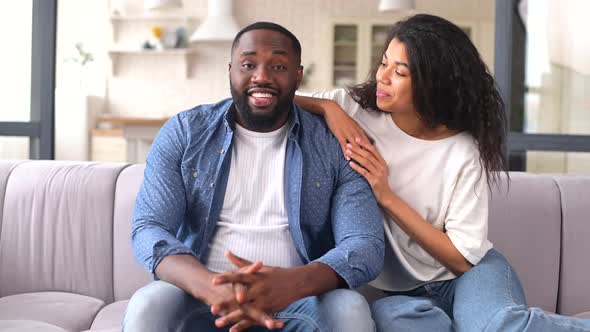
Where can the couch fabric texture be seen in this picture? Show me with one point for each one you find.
(66, 262)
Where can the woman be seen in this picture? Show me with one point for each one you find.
(437, 126)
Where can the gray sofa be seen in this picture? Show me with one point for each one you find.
(66, 263)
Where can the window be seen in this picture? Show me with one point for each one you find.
(26, 119)
(543, 69)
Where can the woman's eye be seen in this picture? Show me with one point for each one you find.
(399, 73)
(383, 64)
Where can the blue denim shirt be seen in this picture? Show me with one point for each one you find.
(333, 216)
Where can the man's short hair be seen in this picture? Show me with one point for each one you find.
(269, 26)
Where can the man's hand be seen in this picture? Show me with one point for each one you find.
(222, 300)
(270, 289)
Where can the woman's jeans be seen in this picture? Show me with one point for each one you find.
(488, 297)
(161, 307)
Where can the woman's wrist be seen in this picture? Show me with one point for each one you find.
(386, 198)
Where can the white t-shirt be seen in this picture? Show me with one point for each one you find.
(253, 222)
(441, 179)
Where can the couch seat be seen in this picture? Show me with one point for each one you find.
(585, 315)
(28, 326)
(71, 312)
(110, 317)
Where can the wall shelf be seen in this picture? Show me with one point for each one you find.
(152, 18)
(185, 53)
(165, 20)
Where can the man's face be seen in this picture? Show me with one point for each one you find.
(264, 73)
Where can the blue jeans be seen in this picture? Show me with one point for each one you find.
(488, 297)
(161, 306)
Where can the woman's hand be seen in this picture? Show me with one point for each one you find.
(370, 164)
(343, 126)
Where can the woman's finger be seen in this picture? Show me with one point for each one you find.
(362, 171)
(364, 157)
(370, 147)
(360, 133)
(366, 144)
(343, 143)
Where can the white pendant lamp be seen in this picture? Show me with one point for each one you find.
(396, 5)
(219, 25)
(161, 4)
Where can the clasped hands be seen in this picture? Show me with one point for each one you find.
(248, 295)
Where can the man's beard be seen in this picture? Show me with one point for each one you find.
(260, 122)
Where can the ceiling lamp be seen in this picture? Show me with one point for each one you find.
(161, 4)
(396, 5)
(219, 25)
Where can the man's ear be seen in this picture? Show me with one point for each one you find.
(299, 76)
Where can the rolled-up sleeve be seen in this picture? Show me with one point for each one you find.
(358, 230)
(161, 202)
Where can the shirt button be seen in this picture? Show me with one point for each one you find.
(317, 184)
(222, 151)
(195, 174)
(211, 185)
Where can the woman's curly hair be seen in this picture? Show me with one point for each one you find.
(451, 86)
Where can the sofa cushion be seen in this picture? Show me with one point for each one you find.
(72, 312)
(525, 226)
(110, 317)
(28, 326)
(6, 168)
(585, 315)
(57, 229)
(574, 289)
(129, 275)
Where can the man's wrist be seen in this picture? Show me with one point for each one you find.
(202, 288)
(314, 279)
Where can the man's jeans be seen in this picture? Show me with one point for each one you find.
(488, 297)
(161, 306)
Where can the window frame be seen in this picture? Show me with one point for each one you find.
(40, 129)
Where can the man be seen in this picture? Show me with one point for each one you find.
(256, 176)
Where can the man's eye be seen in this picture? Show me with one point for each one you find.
(248, 66)
(279, 68)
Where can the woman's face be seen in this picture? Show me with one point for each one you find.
(394, 82)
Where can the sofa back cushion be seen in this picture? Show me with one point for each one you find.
(57, 229)
(6, 168)
(128, 274)
(525, 226)
(574, 289)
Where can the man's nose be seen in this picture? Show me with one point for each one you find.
(261, 75)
